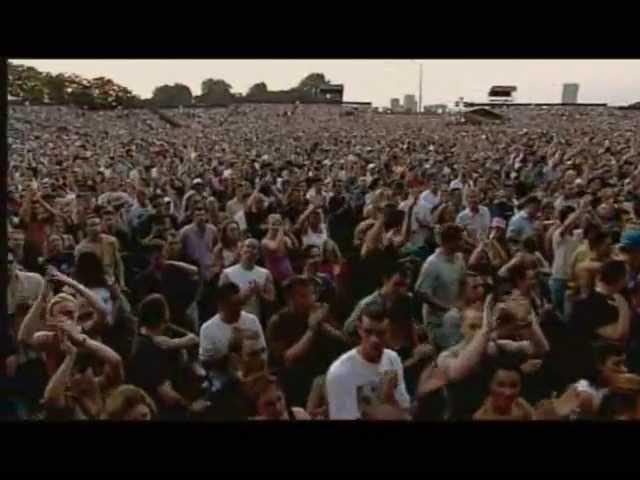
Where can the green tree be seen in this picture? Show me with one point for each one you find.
(215, 92)
(34, 93)
(258, 90)
(56, 86)
(172, 96)
(214, 85)
(83, 97)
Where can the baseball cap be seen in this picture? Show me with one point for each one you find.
(630, 239)
(197, 181)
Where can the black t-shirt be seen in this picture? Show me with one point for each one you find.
(285, 330)
(591, 313)
(174, 283)
(149, 366)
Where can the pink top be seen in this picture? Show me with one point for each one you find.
(279, 266)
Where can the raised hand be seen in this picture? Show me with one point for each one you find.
(318, 316)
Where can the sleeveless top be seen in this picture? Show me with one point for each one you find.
(279, 266)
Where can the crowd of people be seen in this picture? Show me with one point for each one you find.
(266, 262)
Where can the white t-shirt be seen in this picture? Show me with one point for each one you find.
(429, 199)
(243, 278)
(564, 246)
(215, 335)
(353, 382)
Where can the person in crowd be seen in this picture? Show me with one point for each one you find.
(356, 205)
(176, 281)
(395, 286)
(62, 260)
(150, 366)
(256, 283)
(302, 340)
(227, 252)
(105, 247)
(523, 224)
(604, 314)
(216, 333)
(89, 271)
(198, 242)
(270, 401)
(504, 401)
(276, 246)
(369, 375)
(475, 219)
(438, 285)
(74, 391)
(129, 404)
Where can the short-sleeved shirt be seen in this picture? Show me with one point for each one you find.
(243, 278)
(478, 223)
(215, 335)
(354, 383)
(520, 227)
(198, 246)
(564, 246)
(441, 277)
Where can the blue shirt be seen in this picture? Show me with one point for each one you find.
(520, 227)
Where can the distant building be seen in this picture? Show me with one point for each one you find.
(395, 104)
(331, 92)
(410, 103)
(502, 94)
(570, 93)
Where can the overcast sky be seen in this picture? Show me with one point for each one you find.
(616, 82)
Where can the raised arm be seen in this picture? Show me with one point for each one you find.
(54, 394)
(190, 269)
(32, 323)
(114, 371)
(457, 368)
(276, 245)
(50, 209)
(92, 298)
(302, 221)
(618, 331)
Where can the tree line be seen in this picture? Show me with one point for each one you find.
(38, 88)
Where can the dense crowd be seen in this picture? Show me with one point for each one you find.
(293, 263)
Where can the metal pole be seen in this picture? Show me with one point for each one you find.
(420, 90)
